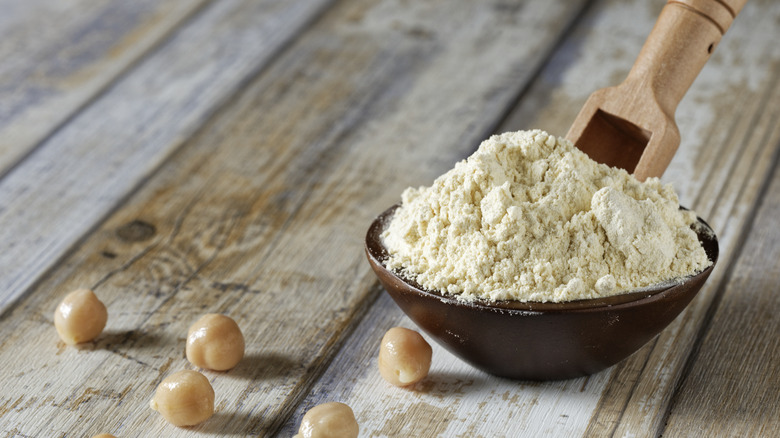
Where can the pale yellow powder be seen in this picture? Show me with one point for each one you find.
(529, 217)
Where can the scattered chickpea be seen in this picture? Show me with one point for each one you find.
(404, 357)
(104, 435)
(329, 420)
(215, 342)
(184, 398)
(80, 317)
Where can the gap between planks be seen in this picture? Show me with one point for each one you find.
(68, 92)
(316, 212)
(559, 99)
(107, 151)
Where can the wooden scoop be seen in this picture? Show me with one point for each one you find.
(632, 125)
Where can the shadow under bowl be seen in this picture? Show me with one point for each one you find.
(540, 341)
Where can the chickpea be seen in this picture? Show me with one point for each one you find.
(80, 317)
(404, 357)
(215, 342)
(329, 420)
(104, 435)
(184, 398)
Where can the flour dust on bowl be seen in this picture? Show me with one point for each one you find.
(540, 341)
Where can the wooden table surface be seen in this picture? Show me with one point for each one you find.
(181, 157)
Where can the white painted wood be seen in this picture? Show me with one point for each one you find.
(737, 94)
(77, 176)
(604, 59)
(455, 400)
(57, 56)
(727, 123)
(261, 215)
(732, 386)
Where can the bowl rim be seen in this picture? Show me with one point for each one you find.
(377, 254)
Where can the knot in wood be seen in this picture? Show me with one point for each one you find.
(136, 231)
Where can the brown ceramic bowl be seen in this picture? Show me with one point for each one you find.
(540, 341)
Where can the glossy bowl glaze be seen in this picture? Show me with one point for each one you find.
(540, 341)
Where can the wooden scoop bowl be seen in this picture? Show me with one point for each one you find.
(632, 125)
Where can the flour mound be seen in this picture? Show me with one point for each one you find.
(529, 217)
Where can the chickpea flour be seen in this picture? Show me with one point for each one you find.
(529, 217)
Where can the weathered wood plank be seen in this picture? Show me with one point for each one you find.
(732, 386)
(455, 400)
(78, 175)
(598, 66)
(727, 147)
(744, 70)
(57, 56)
(262, 216)
(269, 202)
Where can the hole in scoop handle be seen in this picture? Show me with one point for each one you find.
(681, 42)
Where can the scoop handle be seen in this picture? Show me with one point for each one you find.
(684, 36)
